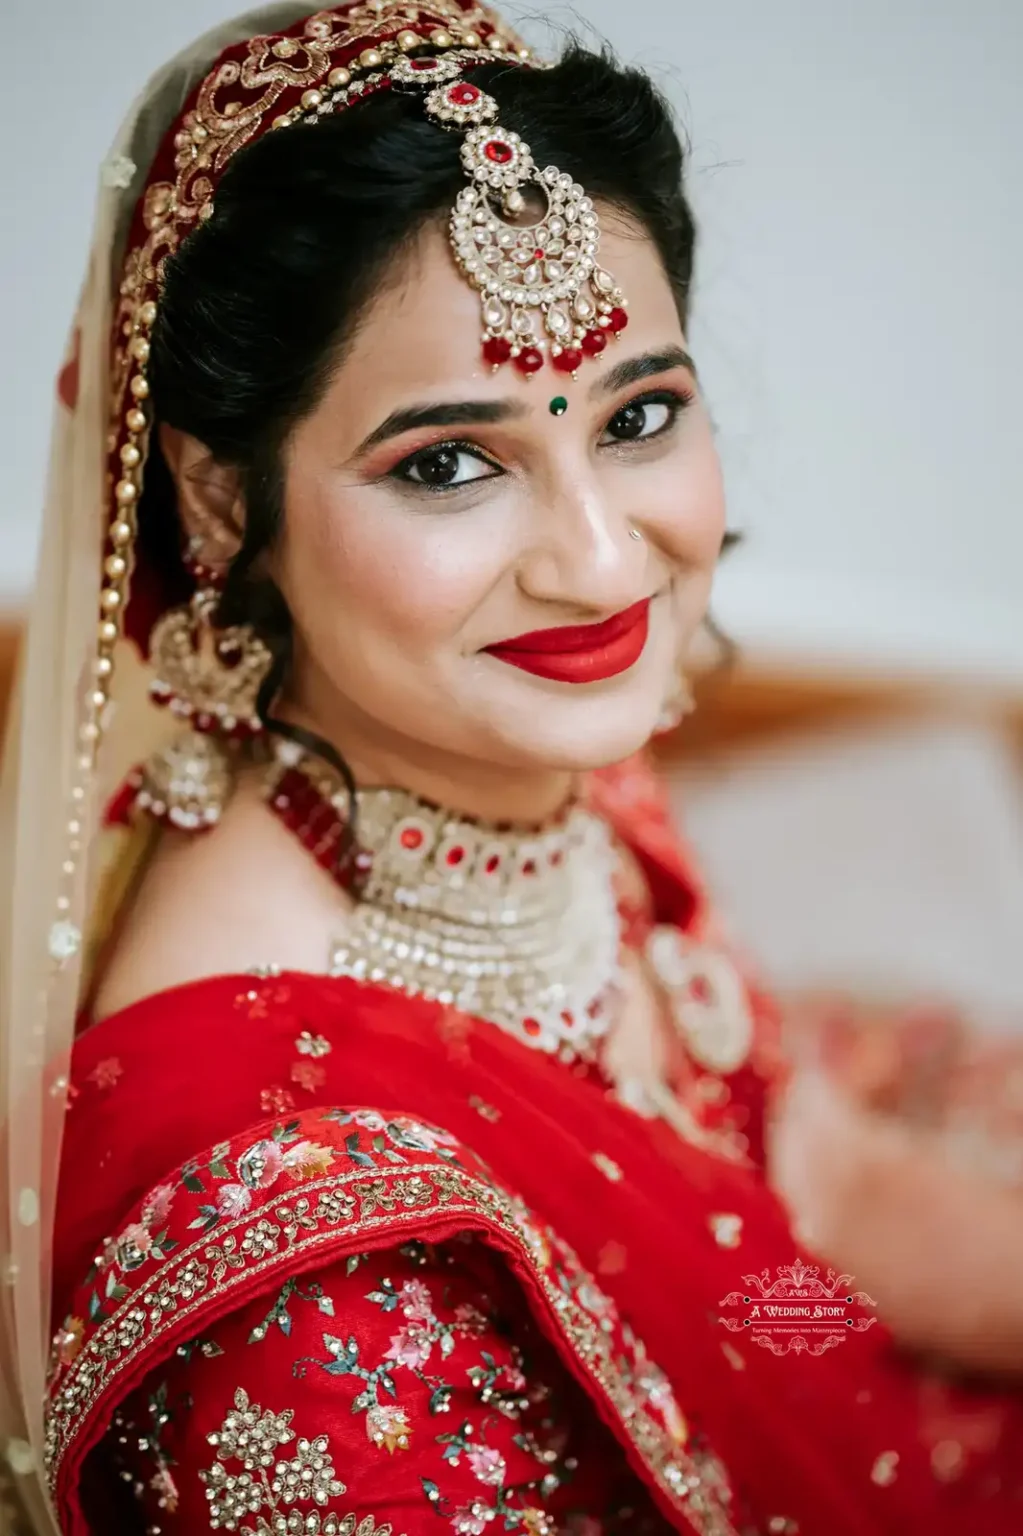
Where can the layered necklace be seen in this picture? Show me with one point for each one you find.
(517, 926)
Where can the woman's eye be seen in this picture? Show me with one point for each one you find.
(444, 467)
(639, 419)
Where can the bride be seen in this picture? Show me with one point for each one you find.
(409, 1106)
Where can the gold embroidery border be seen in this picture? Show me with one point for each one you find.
(431, 1190)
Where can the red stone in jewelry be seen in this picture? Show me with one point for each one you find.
(569, 360)
(700, 989)
(530, 361)
(499, 152)
(497, 350)
(463, 94)
(424, 66)
(619, 320)
(455, 856)
(411, 838)
(594, 343)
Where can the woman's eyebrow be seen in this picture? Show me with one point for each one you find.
(475, 413)
(456, 413)
(635, 369)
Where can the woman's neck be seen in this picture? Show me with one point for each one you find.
(469, 786)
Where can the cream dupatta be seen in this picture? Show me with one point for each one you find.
(59, 875)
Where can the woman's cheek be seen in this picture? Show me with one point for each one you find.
(681, 500)
(416, 575)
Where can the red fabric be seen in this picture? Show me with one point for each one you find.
(855, 1440)
(374, 1344)
(420, 1364)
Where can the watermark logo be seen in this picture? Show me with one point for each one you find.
(799, 1311)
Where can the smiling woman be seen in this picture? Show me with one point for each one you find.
(403, 1054)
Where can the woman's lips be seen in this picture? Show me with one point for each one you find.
(586, 653)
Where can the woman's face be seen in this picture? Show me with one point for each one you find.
(437, 512)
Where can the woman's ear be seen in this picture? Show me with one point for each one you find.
(210, 502)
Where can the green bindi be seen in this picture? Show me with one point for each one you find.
(559, 405)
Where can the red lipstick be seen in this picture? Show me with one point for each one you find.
(582, 653)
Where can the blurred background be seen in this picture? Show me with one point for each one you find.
(854, 784)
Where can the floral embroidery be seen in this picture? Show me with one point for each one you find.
(151, 1443)
(252, 1436)
(156, 1206)
(399, 1135)
(275, 1100)
(106, 1073)
(259, 1167)
(256, 1002)
(312, 1045)
(388, 1427)
(308, 1075)
(613, 1258)
(502, 1386)
(490, 1469)
(69, 1340)
(133, 1248)
(279, 1316)
(233, 1200)
(377, 1180)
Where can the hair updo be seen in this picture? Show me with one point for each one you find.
(260, 301)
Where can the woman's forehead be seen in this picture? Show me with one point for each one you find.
(420, 334)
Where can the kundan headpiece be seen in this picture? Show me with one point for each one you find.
(540, 284)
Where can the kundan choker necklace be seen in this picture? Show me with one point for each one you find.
(517, 927)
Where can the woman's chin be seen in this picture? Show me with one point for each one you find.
(580, 734)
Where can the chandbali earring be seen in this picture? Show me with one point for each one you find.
(210, 678)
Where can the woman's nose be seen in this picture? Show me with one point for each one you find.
(586, 552)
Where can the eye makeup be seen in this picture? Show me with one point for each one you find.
(445, 467)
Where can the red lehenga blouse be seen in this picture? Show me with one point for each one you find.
(333, 1259)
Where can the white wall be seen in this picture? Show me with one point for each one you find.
(858, 170)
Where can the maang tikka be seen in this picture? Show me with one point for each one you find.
(542, 290)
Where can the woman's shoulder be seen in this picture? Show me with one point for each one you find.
(242, 897)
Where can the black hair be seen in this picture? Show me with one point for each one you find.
(260, 301)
